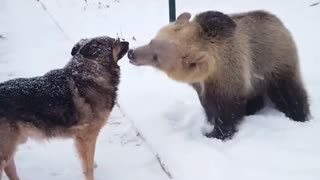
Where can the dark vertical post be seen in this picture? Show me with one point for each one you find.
(172, 10)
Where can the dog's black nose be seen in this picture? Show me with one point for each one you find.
(130, 54)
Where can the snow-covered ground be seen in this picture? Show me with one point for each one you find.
(269, 146)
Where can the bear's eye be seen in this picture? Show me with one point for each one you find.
(155, 57)
(192, 65)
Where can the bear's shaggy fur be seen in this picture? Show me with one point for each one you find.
(233, 62)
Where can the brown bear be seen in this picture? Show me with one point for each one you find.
(234, 62)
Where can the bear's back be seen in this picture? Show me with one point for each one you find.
(271, 45)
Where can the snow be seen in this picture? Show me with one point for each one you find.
(167, 113)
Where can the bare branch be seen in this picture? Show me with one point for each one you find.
(54, 20)
(314, 4)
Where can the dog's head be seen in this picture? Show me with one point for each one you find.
(102, 47)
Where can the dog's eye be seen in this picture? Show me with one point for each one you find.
(109, 50)
(155, 57)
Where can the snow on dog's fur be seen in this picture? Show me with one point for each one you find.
(72, 102)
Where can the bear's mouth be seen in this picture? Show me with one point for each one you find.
(135, 62)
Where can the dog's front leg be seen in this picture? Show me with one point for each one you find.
(11, 171)
(86, 144)
(2, 163)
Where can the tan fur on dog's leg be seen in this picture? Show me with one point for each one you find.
(9, 140)
(86, 144)
(1, 168)
(11, 171)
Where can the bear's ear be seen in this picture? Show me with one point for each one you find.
(183, 18)
(216, 24)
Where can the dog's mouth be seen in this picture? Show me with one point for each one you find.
(124, 45)
(120, 49)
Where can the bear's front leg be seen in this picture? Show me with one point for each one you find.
(222, 131)
(227, 114)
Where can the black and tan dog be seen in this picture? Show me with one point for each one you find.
(72, 102)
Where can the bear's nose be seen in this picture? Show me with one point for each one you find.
(131, 54)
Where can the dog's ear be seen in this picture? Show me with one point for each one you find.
(78, 45)
(75, 49)
(90, 50)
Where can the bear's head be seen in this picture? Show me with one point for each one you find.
(186, 50)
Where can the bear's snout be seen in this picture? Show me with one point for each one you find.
(141, 56)
(132, 58)
(131, 54)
